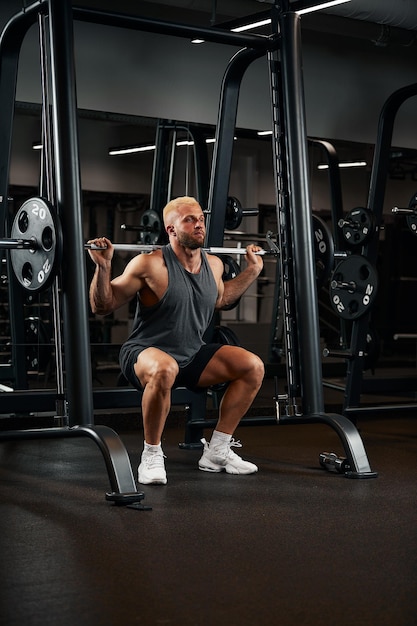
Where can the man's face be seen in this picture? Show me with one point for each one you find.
(189, 227)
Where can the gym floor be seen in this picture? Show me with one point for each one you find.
(291, 545)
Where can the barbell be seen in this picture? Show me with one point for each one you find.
(36, 244)
(139, 248)
(36, 253)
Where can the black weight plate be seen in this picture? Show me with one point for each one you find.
(225, 335)
(231, 267)
(37, 220)
(234, 213)
(151, 223)
(358, 226)
(412, 223)
(353, 287)
(323, 250)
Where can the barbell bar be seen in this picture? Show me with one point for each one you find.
(33, 245)
(18, 244)
(130, 247)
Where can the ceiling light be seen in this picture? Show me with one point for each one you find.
(197, 40)
(130, 150)
(149, 148)
(343, 164)
(37, 145)
(265, 22)
(241, 29)
(264, 133)
(322, 5)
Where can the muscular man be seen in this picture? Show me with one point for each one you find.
(178, 288)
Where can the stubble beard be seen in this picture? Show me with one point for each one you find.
(188, 241)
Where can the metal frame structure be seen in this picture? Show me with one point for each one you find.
(355, 385)
(293, 208)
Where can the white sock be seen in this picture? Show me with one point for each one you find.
(219, 439)
(152, 447)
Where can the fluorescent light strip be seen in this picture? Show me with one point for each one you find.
(317, 7)
(323, 5)
(133, 149)
(343, 164)
(241, 29)
(264, 133)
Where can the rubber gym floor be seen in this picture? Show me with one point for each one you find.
(291, 545)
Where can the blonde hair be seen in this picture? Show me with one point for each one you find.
(174, 205)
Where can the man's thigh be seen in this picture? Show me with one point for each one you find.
(228, 363)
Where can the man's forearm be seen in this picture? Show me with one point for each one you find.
(101, 293)
(235, 288)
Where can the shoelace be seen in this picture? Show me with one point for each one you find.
(155, 460)
(233, 444)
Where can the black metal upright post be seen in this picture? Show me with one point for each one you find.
(301, 216)
(69, 204)
(223, 147)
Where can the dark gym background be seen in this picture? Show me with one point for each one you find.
(294, 544)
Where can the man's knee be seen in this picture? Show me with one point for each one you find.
(258, 369)
(254, 368)
(160, 373)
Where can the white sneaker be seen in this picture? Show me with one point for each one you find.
(151, 470)
(217, 459)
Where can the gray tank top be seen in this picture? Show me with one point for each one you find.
(177, 323)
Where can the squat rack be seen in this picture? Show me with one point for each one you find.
(294, 216)
(292, 191)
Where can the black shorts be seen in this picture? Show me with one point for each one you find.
(188, 376)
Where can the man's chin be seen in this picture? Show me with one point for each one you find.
(192, 244)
